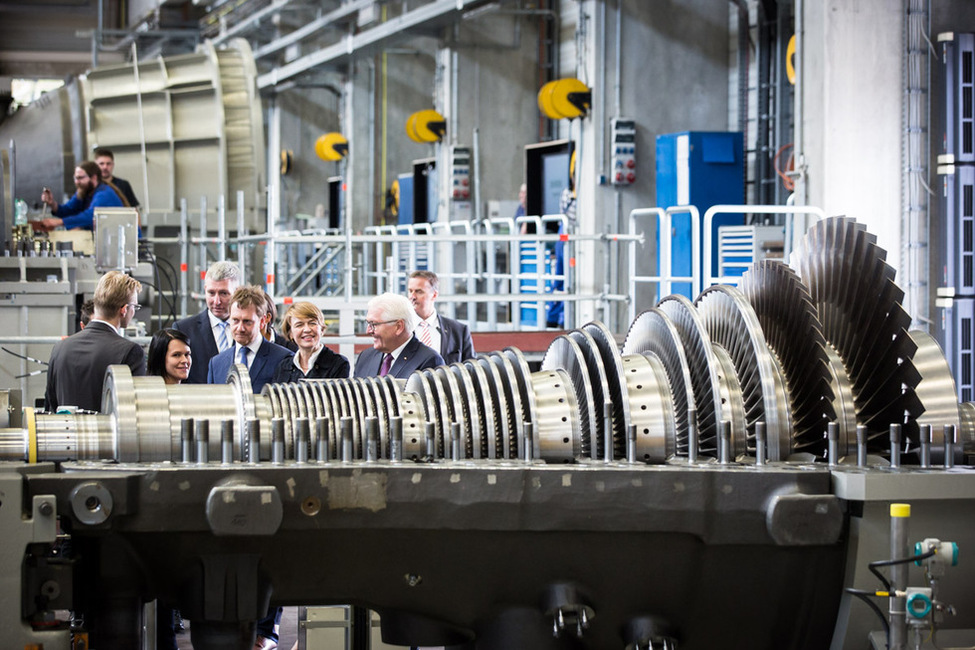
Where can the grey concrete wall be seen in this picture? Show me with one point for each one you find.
(852, 127)
(498, 80)
(410, 87)
(674, 77)
(354, 105)
(852, 70)
(408, 75)
(306, 114)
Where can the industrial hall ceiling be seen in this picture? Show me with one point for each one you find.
(59, 38)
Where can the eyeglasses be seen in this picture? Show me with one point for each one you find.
(135, 306)
(370, 325)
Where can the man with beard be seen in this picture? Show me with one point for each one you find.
(79, 211)
(105, 159)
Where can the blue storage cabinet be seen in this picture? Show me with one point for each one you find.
(699, 168)
(958, 334)
(405, 199)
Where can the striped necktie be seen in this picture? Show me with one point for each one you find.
(222, 341)
(387, 362)
(425, 337)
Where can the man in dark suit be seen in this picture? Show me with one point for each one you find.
(247, 311)
(390, 320)
(76, 371)
(105, 159)
(209, 331)
(446, 335)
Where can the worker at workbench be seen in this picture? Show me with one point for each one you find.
(79, 211)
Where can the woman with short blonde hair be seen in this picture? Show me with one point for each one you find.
(304, 324)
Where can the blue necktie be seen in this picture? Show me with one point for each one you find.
(222, 342)
(242, 355)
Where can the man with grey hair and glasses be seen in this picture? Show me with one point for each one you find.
(395, 351)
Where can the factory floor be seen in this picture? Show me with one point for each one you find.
(288, 634)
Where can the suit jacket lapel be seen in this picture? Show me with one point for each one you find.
(259, 358)
(206, 331)
(443, 336)
(401, 362)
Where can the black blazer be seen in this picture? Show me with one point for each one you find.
(328, 365)
(455, 340)
(416, 356)
(76, 371)
(202, 345)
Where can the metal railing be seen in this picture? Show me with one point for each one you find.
(491, 274)
(789, 212)
(665, 277)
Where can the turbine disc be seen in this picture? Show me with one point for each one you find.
(523, 382)
(613, 363)
(484, 396)
(704, 367)
(600, 388)
(791, 326)
(937, 393)
(652, 332)
(565, 353)
(651, 407)
(502, 432)
(557, 423)
(859, 306)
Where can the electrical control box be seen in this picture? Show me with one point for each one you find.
(958, 54)
(460, 173)
(624, 151)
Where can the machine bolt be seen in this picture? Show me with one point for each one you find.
(45, 508)
(412, 580)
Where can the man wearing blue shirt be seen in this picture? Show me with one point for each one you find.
(79, 211)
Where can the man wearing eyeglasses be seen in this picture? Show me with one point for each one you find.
(77, 367)
(79, 210)
(395, 352)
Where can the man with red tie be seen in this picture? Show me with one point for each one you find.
(395, 351)
(451, 338)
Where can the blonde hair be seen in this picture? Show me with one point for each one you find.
(250, 295)
(114, 291)
(301, 310)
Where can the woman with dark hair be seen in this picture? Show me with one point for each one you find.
(304, 323)
(169, 356)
